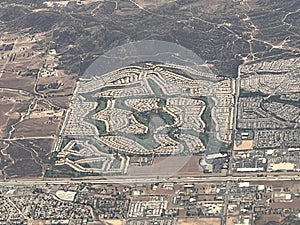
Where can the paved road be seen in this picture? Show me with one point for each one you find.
(226, 199)
(28, 138)
(146, 180)
(235, 112)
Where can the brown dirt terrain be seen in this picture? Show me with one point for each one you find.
(24, 163)
(3, 161)
(60, 101)
(24, 168)
(245, 145)
(19, 153)
(286, 205)
(68, 86)
(33, 155)
(210, 6)
(38, 222)
(4, 112)
(200, 221)
(162, 166)
(11, 105)
(114, 222)
(36, 128)
(152, 3)
(191, 167)
(264, 219)
(21, 83)
(42, 148)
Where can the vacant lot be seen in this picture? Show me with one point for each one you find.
(245, 145)
(39, 222)
(20, 83)
(152, 3)
(36, 128)
(162, 166)
(11, 105)
(6, 113)
(265, 219)
(24, 163)
(200, 221)
(191, 167)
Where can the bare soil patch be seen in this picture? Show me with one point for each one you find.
(199, 221)
(36, 128)
(264, 219)
(24, 168)
(191, 167)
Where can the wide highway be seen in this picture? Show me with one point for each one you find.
(149, 179)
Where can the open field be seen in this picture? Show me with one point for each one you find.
(36, 128)
(24, 83)
(42, 114)
(199, 221)
(112, 222)
(231, 220)
(25, 55)
(60, 101)
(33, 154)
(245, 145)
(162, 166)
(265, 219)
(294, 204)
(67, 84)
(5, 110)
(39, 222)
(41, 148)
(24, 164)
(152, 3)
(11, 105)
(192, 167)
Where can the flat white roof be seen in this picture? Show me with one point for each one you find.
(281, 166)
(249, 169)
(244, 184)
